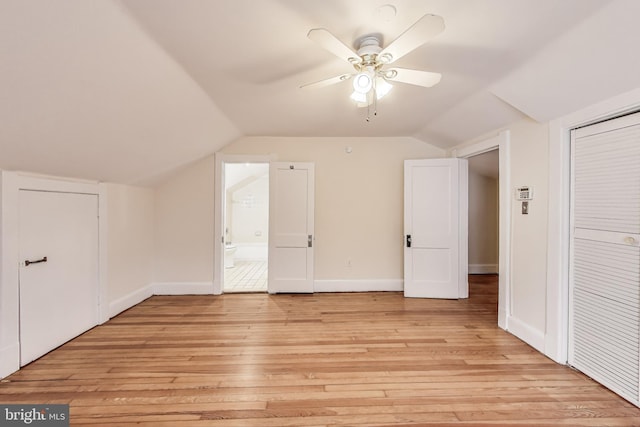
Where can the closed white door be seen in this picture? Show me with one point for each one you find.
(604, 298)
(435, 228)
(291, 241)
(58, 269)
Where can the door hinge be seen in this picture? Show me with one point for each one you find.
(408, 240)
(310, 241)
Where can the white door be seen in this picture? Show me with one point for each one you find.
(58, 269)
(435, 228)
(291, 189)
(604, 298)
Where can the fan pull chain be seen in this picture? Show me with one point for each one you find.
(374, 100)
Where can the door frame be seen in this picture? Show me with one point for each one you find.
(558, 230)
(502, 142)
(218, 211)
(12, 184)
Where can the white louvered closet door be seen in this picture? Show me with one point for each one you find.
(605, 269)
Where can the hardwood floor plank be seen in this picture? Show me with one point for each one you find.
(369, 359)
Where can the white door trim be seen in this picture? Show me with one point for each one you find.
(218, 216)
(502, 141)
(557, 313)
(12, 183)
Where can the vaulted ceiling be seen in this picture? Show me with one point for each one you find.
(128, 90)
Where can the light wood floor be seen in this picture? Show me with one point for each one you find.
(373, 359)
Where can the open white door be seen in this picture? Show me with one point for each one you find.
(435, 228)
(291, 189)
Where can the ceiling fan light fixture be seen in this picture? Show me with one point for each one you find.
(382, 87)
(360, 98)
(363, 82)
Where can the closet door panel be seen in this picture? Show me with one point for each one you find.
(604, 336)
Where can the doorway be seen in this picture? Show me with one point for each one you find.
(499, 143)
(484, 219)
(242, 196)
(245, 227)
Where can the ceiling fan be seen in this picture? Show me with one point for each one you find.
(373, 77)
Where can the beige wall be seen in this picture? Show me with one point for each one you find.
(529, 165)
(130, 241)
(248, 212)
(184, 225)
(358, 211)
(483, 220)
(358, 199)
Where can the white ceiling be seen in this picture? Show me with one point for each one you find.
(127, 90)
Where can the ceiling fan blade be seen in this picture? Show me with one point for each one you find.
(412, 77)
(327, 82)
(331, 43)
(416, 35)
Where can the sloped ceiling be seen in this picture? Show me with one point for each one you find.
(84, 92)
(127, 90)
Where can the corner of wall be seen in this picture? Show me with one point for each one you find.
(9, 359)
(526, 333)
(126, 302)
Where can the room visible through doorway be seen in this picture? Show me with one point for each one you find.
(246, 227)
(484, 216)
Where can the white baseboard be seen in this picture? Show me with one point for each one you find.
(526, 333)
(136, 297)
(483, 268)
(391, 285)
(9, 359)
(161, 288)
(183, 288)
(503, 318)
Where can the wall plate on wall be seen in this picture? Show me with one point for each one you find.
(524, 193)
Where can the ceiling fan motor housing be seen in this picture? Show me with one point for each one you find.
(369, 45)
(368, 51)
